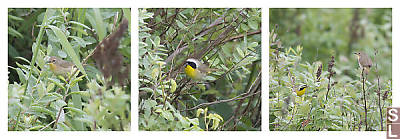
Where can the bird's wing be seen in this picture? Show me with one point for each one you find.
(66, 64)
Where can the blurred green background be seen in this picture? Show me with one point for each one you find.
(337, 32)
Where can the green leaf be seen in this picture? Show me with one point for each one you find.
(36, 128)
(76, 80)
(50, 87)
(146, 89)
(60, 103)
(79, 30)
(21, 75)
(41, 109)
(148, 104)
(156, 41)
(62, 54)
(15, 18)
(199, 111)
(194, 121)
(57, 83)
(100, 28)
(12, 52)
(41, 89)
(253, 23)
(244, 27)
(173, 85)
(167, 115)
(181, 25)
(14, 33)
(80, 41)
(82, 93)
(80, 24)
(51, 36)
(127, 15)
(48, 98)
(76, 110)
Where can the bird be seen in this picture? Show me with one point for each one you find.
(195, 69)
(59, 66)
(364, 61)
(302, 90)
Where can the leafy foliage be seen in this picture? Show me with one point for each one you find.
(226, 39)
(314, 47)
(40, 100)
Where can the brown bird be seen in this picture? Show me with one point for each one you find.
(59, 66)
(364, 61)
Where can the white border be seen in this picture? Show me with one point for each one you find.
(134, 4)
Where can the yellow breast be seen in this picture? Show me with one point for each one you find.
(57, 70)
(192, 73)
(53, 67)
(301, 92)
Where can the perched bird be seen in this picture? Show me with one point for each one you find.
(59, 66)
(195, 69)
(302, 90)
(364, 61)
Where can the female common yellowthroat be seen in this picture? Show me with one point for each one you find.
(301, 91)
(59, 66)
(364, 61)
(195, 69)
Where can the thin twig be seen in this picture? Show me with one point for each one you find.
(242, 35)
(47, 125)
(365, 100)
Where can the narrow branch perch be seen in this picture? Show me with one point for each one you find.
(365, 100)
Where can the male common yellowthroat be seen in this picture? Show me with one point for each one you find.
(302, 90)
(364, 61)
(59, 66)
(195, 69)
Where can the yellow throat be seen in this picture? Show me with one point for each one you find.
(191, 72)
(58, 70)
(53, 67)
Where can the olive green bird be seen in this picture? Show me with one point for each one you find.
(59, 66)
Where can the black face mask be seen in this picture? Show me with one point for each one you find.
(192, 64)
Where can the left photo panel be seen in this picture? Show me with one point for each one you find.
(69, 69)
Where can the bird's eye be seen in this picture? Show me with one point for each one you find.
(53, 61)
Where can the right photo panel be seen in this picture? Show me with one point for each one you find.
(330, 69)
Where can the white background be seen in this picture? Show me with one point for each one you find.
(134, 4)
